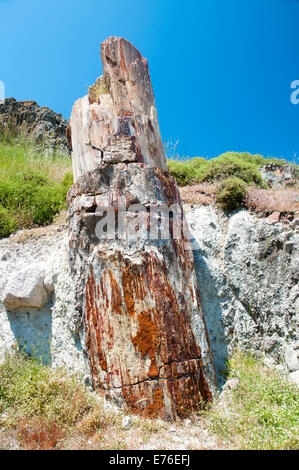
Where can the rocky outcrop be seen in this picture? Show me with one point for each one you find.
(137, 293)
(50, 332)
(277, 175)
(247, 271)
(42, 124)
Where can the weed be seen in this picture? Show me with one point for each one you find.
(262, 412)
(231, 193)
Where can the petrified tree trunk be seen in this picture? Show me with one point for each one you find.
(136, 287)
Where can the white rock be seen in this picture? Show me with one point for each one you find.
(26, 289)
(291, 360)
(49, 283)
(187, 422)
(247, 282)
(294, 377)
(231, 384)
(127, 422)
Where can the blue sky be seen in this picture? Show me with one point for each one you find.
(221, 69)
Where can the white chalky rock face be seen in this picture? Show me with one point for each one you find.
(117, 121)
(26, 288)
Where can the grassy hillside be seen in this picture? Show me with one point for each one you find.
(241, 165)
(33, 184)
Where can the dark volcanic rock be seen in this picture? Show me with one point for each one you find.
(42, 124)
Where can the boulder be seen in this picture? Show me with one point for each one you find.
(26, 289)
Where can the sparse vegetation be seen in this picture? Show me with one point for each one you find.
(231, 193)
(285, 200)
(44, 405)
(33, 184)
(229, 180)
(198, 170)
(261, 412)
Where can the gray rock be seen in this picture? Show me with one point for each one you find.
(270, 342)
(127, 422)
(52, 333)
(277, 175)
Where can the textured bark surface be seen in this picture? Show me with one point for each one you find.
(117, 121)
(144, 330)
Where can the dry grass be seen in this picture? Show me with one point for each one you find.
(59, 224)
(273, 200)
(263, 201)
(38, 434)
(203, 194)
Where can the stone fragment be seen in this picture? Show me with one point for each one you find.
(277, 175)
(273, 218)
(49, 283)
(294, 377)
(291, 359)
(127, 422)
(26, 289)
(269, 342)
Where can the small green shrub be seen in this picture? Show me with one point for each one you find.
(243, 165)
(8, 223)
(68, 180)
(231, 193)
(219, 169)
(183, 172)
(198, 162)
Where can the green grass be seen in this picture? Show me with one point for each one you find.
(33, 184)
(31, 391)
(263, 411)
(241, 165)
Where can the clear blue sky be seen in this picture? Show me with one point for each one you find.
(221, 69)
